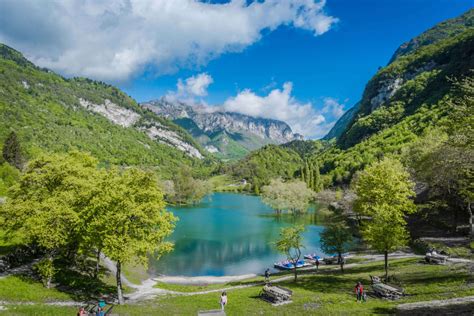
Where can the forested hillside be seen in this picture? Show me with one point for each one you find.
(418, 110)
(49, 113)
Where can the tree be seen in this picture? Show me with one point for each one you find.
(293, 196)
(12, 151)
(384, 193)
(317, 183)
(44, 207)
(291, 243)
(132, 218)
(186, 189)
(444, 158)
(336, 238)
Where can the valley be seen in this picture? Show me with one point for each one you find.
(158, 206)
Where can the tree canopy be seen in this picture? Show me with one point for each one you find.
(290, 243)
(384, 194)
(292, 196)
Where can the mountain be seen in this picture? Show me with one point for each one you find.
(53, 114)
(227, 135)
(341, 124)
(386, 86)
(411, 96)
(443, 30)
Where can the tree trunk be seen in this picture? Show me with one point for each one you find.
(118, 276)
(341, 263)
(386, 265)
(97, 264)
(296, 274)
(471, 220)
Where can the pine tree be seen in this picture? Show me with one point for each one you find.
(317, 185)
(306, 172)
(310, 177)
(12, 151)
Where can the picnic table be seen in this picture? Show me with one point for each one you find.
(436, 258)
(386, 290)
(276, 294)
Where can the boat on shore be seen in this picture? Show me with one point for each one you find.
(313, 257)
(287, 265)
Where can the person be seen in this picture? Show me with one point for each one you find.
(317, 263)
(100, 311)
(82, 312)
(223, 300)
(359, 290)
(267, 275)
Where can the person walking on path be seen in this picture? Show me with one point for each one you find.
(317, 263)
(359, 290)
(267, 276)
(223, 300)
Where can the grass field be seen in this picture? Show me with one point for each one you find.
(327, 292)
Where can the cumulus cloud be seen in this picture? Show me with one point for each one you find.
(191, 90)
(114, 40)
(279, 104)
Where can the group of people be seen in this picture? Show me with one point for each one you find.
(99, 310)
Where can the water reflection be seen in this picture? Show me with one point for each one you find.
(230, 234)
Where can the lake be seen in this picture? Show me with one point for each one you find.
(230, 234)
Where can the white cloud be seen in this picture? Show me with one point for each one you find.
(114, 40)
(333, 107)
(195, 85)
(191, 90)
(279, 104)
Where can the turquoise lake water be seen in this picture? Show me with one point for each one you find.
(230, 234)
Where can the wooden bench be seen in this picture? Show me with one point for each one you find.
(386, 290)
(276, 294)
(435, 258)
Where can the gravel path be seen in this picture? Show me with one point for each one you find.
(436, 303)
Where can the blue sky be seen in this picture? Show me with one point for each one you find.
(336, 64)
(300, 61)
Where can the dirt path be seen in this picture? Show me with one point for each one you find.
(147, 289)
(435, 304)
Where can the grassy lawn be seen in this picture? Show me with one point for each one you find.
(225, 183)
(22, 289)
(327, 292)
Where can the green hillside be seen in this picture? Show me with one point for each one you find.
(443, 30)
(405, 100)
(45, 111)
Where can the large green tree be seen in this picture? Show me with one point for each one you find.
(187, 189)
(44, 207)
(292, 196)
(291, 243)
(131, 215)
(384, 194)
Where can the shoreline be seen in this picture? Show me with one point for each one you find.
(202, 280)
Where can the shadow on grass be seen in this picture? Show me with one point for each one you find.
(82, 287)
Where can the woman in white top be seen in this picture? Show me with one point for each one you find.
(223, 300)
